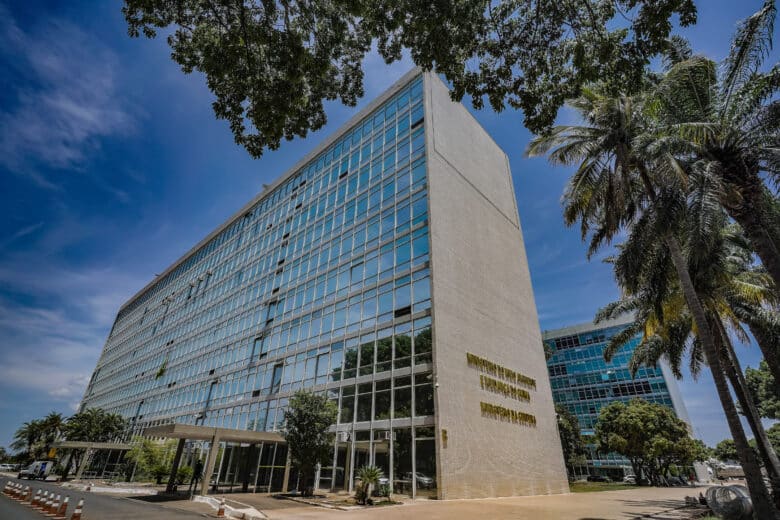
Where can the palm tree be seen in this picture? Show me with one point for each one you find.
(728, 125)
(27, 436)
(369, 477)
(613, 188)
(51, 427)
(722, 278)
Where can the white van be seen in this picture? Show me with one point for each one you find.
(38, 469)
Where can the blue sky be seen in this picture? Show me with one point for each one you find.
(112, 165)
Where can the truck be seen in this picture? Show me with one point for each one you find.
(39, 469)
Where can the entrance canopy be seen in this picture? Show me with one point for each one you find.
(84, 445)
(206, 433)
(185, 432)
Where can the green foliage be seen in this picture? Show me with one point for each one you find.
(271, 65)
(95, 425)
(571, 440)
(152, 459)
(36, 437)
(774, 436)
(163, 368)
(369, 477)
(764, 390)
(306, 424)
(649, 435)
(184, 475)
(725, 450)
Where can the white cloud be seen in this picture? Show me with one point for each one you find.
(69, 102)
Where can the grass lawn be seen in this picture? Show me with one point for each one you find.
(589, 487)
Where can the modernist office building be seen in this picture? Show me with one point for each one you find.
(583, 382)
(386, 270)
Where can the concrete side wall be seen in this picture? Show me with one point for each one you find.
(483, 304)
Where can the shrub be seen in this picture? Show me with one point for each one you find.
(184, 475)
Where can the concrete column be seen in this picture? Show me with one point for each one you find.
(285, 481)
(175, 467)
(84, 463)
(209, 468)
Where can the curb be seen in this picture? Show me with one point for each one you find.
(323, 504)
(244, 513)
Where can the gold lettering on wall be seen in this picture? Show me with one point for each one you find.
(501, 372)
(499, 387)
(505, 414)
(499, 384)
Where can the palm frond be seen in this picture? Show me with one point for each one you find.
(750, 46)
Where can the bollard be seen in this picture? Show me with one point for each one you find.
(60, 514)
(221, 510)
(77, 512)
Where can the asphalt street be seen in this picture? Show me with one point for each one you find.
(96, 506)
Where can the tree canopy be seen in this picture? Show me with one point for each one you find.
(764, 390)
(649, 435)
(571, 440)
(306, 424)
(271, 65)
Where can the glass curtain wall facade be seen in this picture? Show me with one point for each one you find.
(583, 382)
(322, 283)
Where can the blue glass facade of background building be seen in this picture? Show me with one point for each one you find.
(584, 382)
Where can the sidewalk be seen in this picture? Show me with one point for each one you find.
(607, 505)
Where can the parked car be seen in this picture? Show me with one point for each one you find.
(598, 478)
(629, 479)
(423, 481)
(38, 469)
(7, 467)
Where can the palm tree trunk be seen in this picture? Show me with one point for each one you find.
(765, 449)
(763, 508)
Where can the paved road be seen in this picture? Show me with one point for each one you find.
(96, 506)
(12, 510)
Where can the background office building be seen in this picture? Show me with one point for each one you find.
(583, 382)
(386, 270)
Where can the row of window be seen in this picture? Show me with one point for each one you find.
(385, 116)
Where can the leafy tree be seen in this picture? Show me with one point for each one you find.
(306, 424)
(649, 435)
(725, 450)
(774, 435)
(271, 65)
(151, 458)
(571, 440)
(764, 390)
